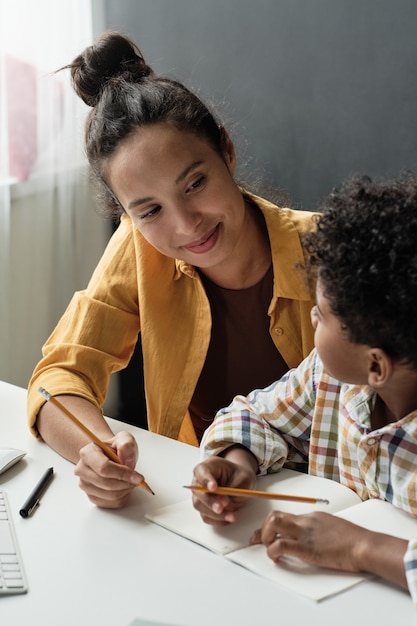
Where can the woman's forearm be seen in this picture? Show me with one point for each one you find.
(61, 434)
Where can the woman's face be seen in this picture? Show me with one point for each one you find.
(180, 194)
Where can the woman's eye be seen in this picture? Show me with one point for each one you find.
(197, 183)
(150, 213)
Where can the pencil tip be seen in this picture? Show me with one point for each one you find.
(145, 486)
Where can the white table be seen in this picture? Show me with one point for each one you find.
(88, 566)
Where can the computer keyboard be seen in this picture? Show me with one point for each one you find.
(12, 576)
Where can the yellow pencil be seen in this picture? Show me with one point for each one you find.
(252, 493)
(106, 449)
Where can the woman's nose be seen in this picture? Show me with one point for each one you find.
(187, 219)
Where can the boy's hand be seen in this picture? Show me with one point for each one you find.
(217, 471)
(317, 538)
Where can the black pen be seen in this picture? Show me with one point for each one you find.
(34, 498)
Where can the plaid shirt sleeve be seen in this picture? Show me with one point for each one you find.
(273, 423)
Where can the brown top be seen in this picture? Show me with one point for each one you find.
(239, 337)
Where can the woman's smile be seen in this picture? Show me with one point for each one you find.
(205, 243)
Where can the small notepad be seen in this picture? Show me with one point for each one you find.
(232, 541)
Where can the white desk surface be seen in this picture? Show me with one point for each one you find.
(88, 566)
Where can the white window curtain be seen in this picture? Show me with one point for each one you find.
(50, 233)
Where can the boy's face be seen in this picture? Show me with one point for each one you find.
(341, 358)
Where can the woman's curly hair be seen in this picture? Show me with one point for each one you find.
(364, 252)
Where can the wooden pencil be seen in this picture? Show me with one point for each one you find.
(253, 493)
(106, 449)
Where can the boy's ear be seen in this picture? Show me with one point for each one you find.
(380, 367)
(229, 153)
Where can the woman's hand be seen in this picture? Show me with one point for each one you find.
(325, 540)
(218, 471)
(106, 483)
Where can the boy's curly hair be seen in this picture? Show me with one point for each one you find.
(365, 254)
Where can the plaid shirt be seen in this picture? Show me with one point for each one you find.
(310, 418)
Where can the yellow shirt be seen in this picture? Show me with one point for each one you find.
(135, 288)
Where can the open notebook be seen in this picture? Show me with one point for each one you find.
(232, 542)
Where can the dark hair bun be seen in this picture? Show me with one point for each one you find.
(114, 57)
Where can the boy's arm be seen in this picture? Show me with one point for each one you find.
(246, 439)
(273, 423)
(383, 555)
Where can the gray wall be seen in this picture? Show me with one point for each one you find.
(314, 90)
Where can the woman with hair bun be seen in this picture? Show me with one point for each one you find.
(209, 273)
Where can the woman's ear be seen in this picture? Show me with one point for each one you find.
(229, 154)
(380, 368)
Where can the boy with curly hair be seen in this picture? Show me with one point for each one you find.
(349, 411)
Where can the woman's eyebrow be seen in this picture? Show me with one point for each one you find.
(187, 170)
(137, 202)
